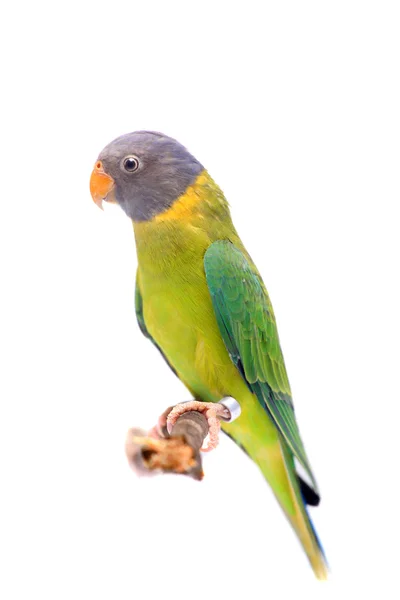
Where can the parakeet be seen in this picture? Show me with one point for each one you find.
(202, 302)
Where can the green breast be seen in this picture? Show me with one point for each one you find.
(176, 302)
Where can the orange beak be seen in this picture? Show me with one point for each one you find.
(101, 185)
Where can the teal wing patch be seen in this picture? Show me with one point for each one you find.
(139, 312)
(247, 324)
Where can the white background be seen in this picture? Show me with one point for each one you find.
(294, 108)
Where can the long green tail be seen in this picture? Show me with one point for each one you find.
(270, 452)
(300, 519)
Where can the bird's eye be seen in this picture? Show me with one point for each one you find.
(131, 164)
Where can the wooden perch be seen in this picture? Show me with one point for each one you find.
(178, 452)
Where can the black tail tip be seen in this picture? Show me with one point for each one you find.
(309, 496)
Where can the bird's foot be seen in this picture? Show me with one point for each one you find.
(213, 412)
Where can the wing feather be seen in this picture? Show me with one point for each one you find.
(247, 324)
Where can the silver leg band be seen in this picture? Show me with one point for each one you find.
(233, 406)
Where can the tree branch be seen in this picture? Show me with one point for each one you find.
(178, 452)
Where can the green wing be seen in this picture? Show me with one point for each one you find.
(247, 323)
(142, 323)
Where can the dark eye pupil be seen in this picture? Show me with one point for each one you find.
(130, 164)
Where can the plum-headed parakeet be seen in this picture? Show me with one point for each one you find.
(202, 302)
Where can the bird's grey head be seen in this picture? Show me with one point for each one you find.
(144, 172)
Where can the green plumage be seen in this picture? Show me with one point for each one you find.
(202, 302)
(247, 324)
